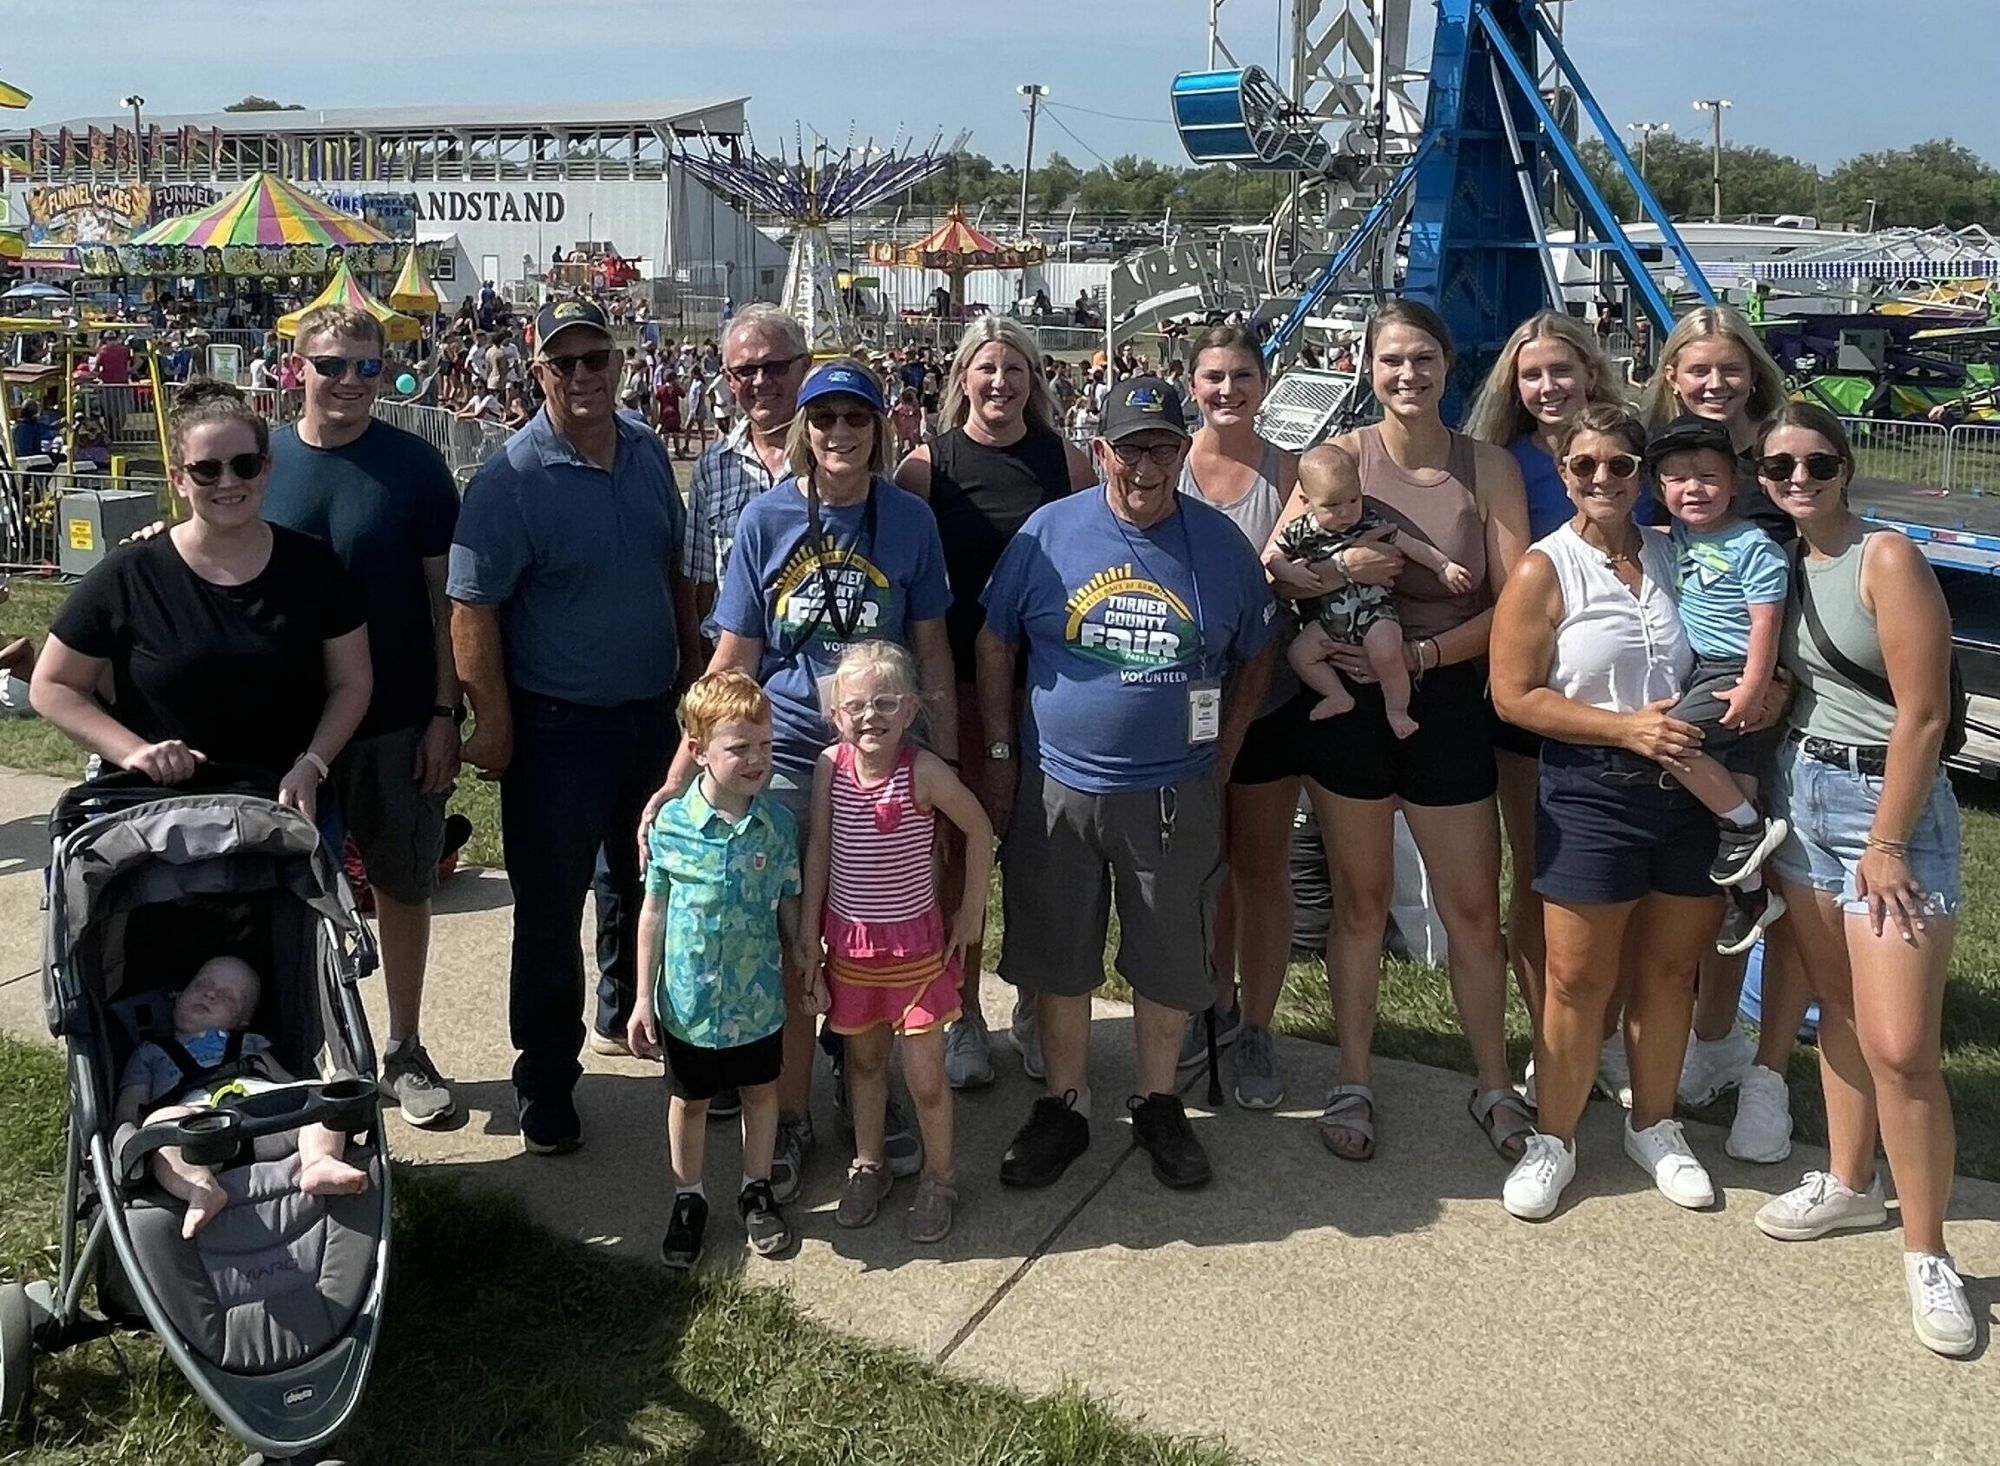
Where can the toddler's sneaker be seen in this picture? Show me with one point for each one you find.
(1820, 1204)
(929, 1218)
(1745, 919)
(1938, 1307)
(867, 1187)
(681, 1247)
(765, 1225)
(1741, 850)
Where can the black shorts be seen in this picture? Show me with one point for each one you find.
(1611, 826)
(1270, 749)
(700, 1074)
(1740, 753)
(1447, 761)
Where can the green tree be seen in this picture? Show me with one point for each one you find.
(1054, 184)
(255, 103)
(1680, 172)
(1928, 184)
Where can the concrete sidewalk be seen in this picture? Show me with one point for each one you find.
(1305, 1309)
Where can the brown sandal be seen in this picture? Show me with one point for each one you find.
(1507, 1133)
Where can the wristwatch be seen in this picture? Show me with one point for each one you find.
(456, 714)
(999, 752)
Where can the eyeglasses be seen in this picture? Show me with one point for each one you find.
(1585, 466)
(208, 471)
(1159, 454)
(591, 361)
(748, 371)
(882, 704)
(1779, 467)
(365, 367)
(855, 417)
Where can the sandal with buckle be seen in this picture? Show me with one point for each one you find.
(1507, 1132)
(1350, 1111)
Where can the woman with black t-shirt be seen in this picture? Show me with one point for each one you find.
(228, 640)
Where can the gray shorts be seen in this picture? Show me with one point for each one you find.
(1740, 753)
(398, 828)
(1068, 855)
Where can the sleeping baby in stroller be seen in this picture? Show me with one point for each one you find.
(211, 1017)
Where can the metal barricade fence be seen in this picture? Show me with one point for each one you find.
(1901, 452)
(464, 443)
(31, 525)
(1974, 463)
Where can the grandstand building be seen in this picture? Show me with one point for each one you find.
(499, 188)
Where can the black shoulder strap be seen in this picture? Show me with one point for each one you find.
(1872, 683)
(191, 1072)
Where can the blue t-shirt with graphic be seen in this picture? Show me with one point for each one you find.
(1117, 621)
(1718, 576)
(887, 567)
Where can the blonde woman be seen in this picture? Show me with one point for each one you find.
(999, 458)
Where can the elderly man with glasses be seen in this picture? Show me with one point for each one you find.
(572, 629)
(1148, 628)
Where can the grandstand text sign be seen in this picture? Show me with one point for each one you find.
(490, 205)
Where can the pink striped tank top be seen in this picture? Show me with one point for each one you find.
(881, 873)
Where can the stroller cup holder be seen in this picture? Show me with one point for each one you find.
(221, 1137)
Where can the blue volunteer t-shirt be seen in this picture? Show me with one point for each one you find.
(1118, 621)
(886, 567)
(1718, 576)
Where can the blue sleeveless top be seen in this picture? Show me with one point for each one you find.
(1549, 506)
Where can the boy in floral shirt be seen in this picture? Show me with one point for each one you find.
(719, 926)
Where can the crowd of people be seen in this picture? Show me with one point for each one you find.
(1646, 644)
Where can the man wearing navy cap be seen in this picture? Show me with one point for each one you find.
(572, 629)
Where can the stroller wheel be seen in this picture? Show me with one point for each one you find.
(17, 1353)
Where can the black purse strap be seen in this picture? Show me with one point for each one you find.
(1872, 683)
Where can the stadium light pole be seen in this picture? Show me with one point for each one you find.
(1034, 92)
(1714, 106)
(1645, 131)
(135, 102)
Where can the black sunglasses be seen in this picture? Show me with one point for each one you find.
(365, 367)
(208, 471)
(1618, 465)
(855, 417)
(590, 361)
(749, 371)
(1779, 467)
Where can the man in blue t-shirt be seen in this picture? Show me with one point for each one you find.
(384, 500)
(1149, 629)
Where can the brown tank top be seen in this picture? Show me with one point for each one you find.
(1438, 508)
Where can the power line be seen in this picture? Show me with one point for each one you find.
(1113, 116)
(1079, 141)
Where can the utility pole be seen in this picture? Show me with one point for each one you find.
(135, 102)
(1714, 106)
(1034, 92)
(1645, 131)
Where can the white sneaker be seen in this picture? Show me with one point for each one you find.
(1762, 1130)
(968, 1058)
(1535, 1185)
(1662, 1152)
(1820, 1204)
(1528, 1083)
(1026, 1036)
(1710, 1069)
(1938, 1308)
(1614, 1074)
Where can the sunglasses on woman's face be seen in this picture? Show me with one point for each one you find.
(1584, 466)
(365, 367)
(1779, 467)
(208, 471)
(855, 418)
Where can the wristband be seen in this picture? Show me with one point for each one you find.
(309, 757)
(1898, 848)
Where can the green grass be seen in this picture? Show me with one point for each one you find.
(506, 1344)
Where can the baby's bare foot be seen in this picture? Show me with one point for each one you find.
(1332, 706)
(1402, 724)
(329, 1176)
(203, 1207)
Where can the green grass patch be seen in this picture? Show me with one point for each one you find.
(507, 1344)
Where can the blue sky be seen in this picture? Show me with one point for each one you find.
(1819, 78)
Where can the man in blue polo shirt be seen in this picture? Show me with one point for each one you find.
(571, 628)
(1148, 627)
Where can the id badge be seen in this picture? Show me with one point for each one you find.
(1204, 712)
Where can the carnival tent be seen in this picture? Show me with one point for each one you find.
(344, 289)
(267, 227)
(413, 290)
(955, 249)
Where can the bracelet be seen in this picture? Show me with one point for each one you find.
(1339, 562)
(309, 757)
(1437, 657)
(1898, 848)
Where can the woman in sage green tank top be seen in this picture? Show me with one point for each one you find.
(1871, 866)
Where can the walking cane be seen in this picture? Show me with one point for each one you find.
(1214, 1070)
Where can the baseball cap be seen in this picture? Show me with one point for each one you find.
(559, 315)
(1139, 405)
(843, 378)
(1687, 433)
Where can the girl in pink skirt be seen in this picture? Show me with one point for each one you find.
(892, 964)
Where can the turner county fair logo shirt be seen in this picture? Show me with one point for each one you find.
(1116, 623)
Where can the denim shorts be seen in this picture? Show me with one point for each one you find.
(1831, 809)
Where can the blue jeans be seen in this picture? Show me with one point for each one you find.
(570, 802)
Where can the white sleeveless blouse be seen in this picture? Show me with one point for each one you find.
(1615, 649)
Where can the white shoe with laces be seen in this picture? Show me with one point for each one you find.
(1762, 1130)
(1820, 1204)
(1938, 1308)
(1662, 1152)
(1535, 1185)
(1711, 1068)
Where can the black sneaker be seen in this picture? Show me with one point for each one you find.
(413, 1082)
(1160, 1127)
(726, 1105)
(550, 1126)
(681, 1247)
(1746, 918)
(769, 1232)
(1042, 1149)
(1740, 850)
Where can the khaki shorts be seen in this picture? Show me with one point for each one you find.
(1069, 856)
(398, 828)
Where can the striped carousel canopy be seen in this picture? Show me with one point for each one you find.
(956, 248)
(344, 289)
(265, 211)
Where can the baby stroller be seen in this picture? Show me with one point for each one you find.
(273, 1311)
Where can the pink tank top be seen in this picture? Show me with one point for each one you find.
(1438, 508)
(880, 870)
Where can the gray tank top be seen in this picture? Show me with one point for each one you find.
(1256, 514)
(1828, 705)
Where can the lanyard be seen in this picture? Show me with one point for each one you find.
(1194, 580)
(828, 609)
